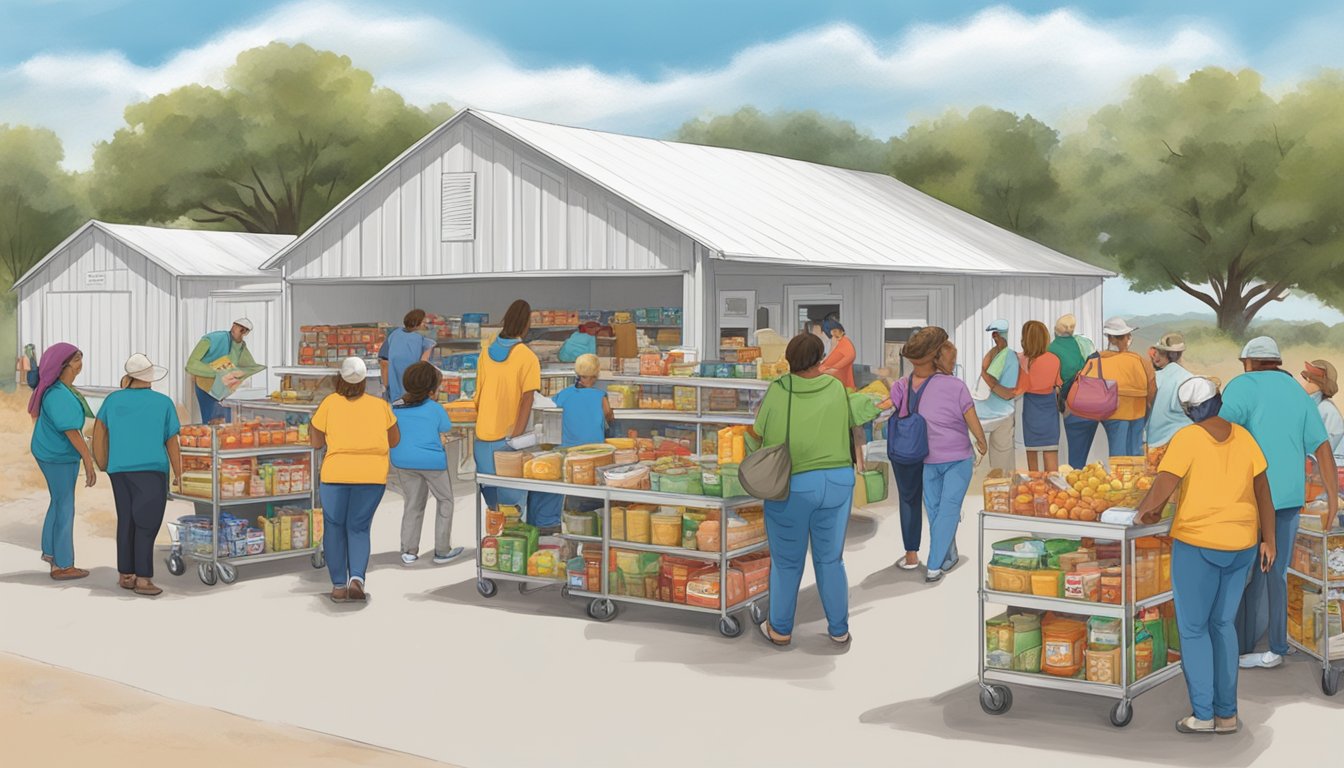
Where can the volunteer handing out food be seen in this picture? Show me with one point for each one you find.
(220, 362)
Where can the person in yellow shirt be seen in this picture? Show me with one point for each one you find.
(1137, 381)
(1224, 515)
(507, 379)
(358, 432)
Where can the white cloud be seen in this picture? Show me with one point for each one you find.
(1045, 64)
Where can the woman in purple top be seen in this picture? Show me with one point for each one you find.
(949, 414)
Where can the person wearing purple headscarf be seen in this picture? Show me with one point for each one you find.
(59, 412)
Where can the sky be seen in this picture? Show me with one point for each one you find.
(646, 67)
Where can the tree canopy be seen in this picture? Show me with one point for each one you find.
(809, 136)
(290, 134)
(40, 203)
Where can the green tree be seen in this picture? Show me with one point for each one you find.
(990, 163)
(40, 203)
(809, 136)
(290, 134)
(1211, 186)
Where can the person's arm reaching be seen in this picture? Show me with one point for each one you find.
(1150, 509)
(428, 350)
(196, 364)
(1264, 504)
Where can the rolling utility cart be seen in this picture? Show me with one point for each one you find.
(603, 604)
(1323, 554)
(189, 540)
(996, 696)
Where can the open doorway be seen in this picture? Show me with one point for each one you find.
(810, 316)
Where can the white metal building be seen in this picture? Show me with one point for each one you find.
(116, 289)
(488, 208)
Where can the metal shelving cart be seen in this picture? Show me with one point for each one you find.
(213, 568)
(602, 604)
(1329, 650)
(996, 697)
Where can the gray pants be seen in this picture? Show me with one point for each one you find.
(416, 486)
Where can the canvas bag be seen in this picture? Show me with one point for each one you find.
(908, 435)
(1094, 397)
(766, 473)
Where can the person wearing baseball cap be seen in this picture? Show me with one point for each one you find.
(1167, 415)
(1073, 351)
(1225, 516)
(1137, 384)
(135, 443)
(220, 362)
(1000, 370)
(1282, 418)
(358, 432)
(1322, 384)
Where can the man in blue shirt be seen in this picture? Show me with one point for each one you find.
(403, 348)
(1268, 402)
(1167, 417)
(998, 412)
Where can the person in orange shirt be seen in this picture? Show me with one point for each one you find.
(1137, 382)
(1039, 386)
(840, 362)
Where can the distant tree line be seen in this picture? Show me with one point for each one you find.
(1207, 184)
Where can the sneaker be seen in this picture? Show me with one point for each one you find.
(447, 558)
(905, 564)
(842, 639)
(408, 559)
(1266, 660)
(933, 577)
(1191, 724)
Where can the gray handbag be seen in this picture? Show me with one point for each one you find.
(765, 474)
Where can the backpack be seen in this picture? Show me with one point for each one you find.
(577, 345)
(1093, 397)
(908, 435)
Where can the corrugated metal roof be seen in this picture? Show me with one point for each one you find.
(753, 207)
(187, 252)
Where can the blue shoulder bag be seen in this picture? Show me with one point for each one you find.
(908, 435)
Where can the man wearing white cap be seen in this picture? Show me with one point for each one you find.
(998, 411)
(1267, 401)
(1167, 416)
(135, 443)
(219, 363)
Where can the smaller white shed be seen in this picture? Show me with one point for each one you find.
(116, 289)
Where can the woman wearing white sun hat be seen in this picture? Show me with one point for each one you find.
(135, 442)
(1137, 384)
(358, 432)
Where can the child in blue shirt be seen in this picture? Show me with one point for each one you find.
(586, 414)
(421, 464)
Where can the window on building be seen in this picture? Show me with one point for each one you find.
(458, 210)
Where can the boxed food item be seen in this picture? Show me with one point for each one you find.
(756, 570)
(628, 476)
(1013, 642)
(1103, 664)
(1083, 585)
(1048, 582)
(998, 492)
(666, 529)
(704, 590)
(1104, 631)
(1005, 579)
(510, 463)
(582, 462)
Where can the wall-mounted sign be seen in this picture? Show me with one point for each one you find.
(95, 279)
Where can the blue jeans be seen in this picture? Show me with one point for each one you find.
(910, 489)
(485, 464)
(1080, 433)
(944, 490)
(1207, 586)
(211, 408)
(58, 529)
(543, 509)
(1124, 438)
(1266, 600)
(818, 509)
(347, 515)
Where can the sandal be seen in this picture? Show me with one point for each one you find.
(147, 588)
(356, 591)
(842, 640)
(68, 574)
(770, 635)
(126, 581)
(340, 595)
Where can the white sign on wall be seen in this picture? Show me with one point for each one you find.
(95, 279)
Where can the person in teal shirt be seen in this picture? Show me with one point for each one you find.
(59, 412)
(135, 442)
(1279, 414)
(998, 412)
(1167, 416)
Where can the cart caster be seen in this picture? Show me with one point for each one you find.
(486, 587)
(564, 592)
(1330, 682)
(601, 609)
(1121, 713)
(730, 627)
(176, 566)
(227, 573)
(319, 559)
(758, 614)
(206, 572)
(996, 699)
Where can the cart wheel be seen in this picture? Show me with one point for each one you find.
(227, 573)
(176, 566)
(1121, 713)
(319, 559)
(1330, 681)
(730, 627)
(601, 609)
(564, 591)
(758, 614)
(206, 572)
(996, 699)
(486, 587)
